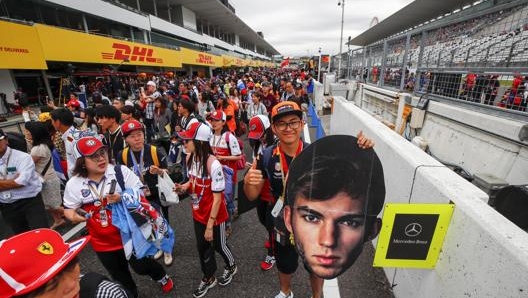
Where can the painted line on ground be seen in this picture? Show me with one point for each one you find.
(73, 231)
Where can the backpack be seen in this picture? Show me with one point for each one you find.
(241, 163)
(229, 190)
(153, 154)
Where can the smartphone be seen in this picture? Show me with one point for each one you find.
(112, 187)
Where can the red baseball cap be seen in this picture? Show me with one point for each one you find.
(285, 108)
(74, 103)
(129, 126)
(86, 146)
(257, 126)
(29, 260)
(197, 131)
(217, 115)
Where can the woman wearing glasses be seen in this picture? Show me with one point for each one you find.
(206, 186)
(87, 197)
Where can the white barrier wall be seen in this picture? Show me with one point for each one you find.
(484, 255)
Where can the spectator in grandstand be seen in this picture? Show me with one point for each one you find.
(86, 197)
(51, 268)
(491, 90)
(205, 186)
(21, 204)
(147, 98)
(409, 85)
(147, 162)
(334, 194)
(108, 118)
(38, 136)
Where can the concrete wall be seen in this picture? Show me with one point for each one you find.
(484, 255)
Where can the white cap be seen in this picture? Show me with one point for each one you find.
(151, 83)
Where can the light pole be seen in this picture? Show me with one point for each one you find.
(319, 67)
(342, 4)
(348, 62)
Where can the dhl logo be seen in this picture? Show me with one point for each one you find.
(205, 59)
(124, 52)
(239, 62)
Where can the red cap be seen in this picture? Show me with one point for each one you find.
(129, 126)
(285, 108)
(31, 259)
(217, 115)
(87, 146)
(74, 103)
(257, 126)
(197, 131)
(243, 91)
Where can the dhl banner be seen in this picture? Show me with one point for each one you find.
(20, 47)
(192, 57)
(228, 61)
(72, 46)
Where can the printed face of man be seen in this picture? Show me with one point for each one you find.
(329, 234)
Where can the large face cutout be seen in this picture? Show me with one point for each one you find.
(335, 191)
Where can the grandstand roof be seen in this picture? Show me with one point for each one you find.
(218, 14)
(415, 13)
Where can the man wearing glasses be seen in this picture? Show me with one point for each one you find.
(273, 165)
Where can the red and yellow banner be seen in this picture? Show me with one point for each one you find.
(192, 57)
(72, 46)
(20, 47)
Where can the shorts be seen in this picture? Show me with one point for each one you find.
(286, 257)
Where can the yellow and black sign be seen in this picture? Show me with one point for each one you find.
(73, 46)
(20, 47)
(192, 57)
(412, 235)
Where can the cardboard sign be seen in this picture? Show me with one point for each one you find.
(412, 235)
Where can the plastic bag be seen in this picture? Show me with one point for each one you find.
(166, 194)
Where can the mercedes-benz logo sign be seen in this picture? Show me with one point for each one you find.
(413, 229)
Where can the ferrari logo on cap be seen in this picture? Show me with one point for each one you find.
(45, 248)
(90, 143)
(131, 125)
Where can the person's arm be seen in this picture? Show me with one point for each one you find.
(217, 196)
(8, 184)
(71, 204)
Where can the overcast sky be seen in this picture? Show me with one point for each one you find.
(300, 27)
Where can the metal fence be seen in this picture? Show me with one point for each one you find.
(479, 55)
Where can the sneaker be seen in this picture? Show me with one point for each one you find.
(158, 255)
(204, 286)
(167, 259)
(267, 244)
(268, 263)
(166, 284)
(226, 278)
(282, 295)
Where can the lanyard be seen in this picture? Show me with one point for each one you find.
(138, 169)
(95, 191)
(200, 196)
(4, 172)
(284, 166)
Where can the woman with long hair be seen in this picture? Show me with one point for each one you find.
(162, 118)
(205, 186)
(256, 107)
(38, 136)
(88, 197)
(204, 105)
(89, 123)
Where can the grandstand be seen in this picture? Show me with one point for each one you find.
(448, 43)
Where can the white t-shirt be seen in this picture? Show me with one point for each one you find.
(217, 175)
